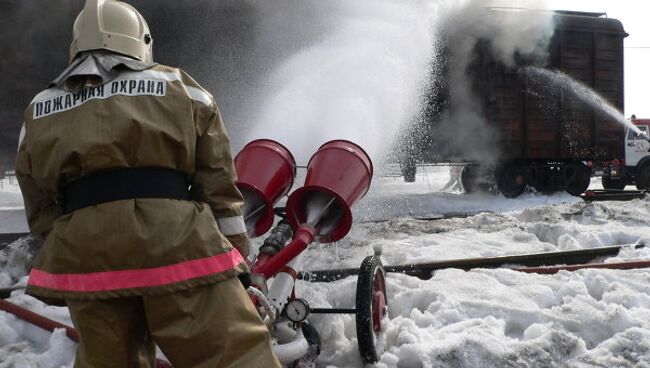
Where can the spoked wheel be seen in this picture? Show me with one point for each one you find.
(371, 308)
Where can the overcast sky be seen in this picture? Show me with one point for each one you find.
(635, 16)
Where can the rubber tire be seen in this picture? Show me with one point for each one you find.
(643, 178)
(615, 184)
(312, 336)
(365, 331)
(469, 178)
(580, 180)
(506, 177)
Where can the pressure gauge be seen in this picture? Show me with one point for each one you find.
(297, 310)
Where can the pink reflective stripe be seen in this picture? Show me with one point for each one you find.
(126, 279)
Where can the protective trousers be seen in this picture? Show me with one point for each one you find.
(213, 326)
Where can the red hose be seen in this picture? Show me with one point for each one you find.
(50, 325)
(614, 266)
(37, 320)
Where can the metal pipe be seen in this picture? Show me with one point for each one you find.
(304, 235)
(292, 351)
(283, 284)
(613, 195)
(424, 270)
(332, 311)
(530, 260)
(628, 265)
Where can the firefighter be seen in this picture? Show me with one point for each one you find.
(126, 170)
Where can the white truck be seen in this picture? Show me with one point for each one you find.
(634, 168)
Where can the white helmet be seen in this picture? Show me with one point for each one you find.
(111, 25)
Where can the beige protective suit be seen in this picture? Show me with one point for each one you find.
(135, 269)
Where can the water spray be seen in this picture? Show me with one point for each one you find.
(565, 83)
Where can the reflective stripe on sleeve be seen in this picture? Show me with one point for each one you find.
(232, 225)
(21, 136)
(129, 279)
(199, 95)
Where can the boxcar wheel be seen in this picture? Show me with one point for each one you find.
(511, 181)
(469, 179)
(371, 308)
(579, 181)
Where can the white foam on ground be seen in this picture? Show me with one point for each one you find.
(497, 318)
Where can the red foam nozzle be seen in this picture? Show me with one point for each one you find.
(338, 175)
(265, 172)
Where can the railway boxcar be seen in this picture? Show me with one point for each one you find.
(547, 140)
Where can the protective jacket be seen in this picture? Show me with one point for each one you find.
(150, 117)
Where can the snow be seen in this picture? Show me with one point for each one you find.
(390, 197)
(479, 318)
(11, 197)
(25, 346)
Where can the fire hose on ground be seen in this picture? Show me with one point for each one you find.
(51, 325)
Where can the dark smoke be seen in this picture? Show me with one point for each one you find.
(33, 48)
(223, 44)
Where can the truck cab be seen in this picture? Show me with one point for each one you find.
(634, 168)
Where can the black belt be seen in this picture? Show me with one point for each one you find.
(115, 185)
